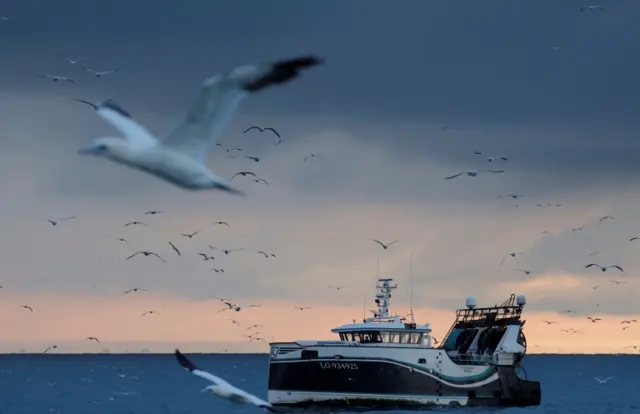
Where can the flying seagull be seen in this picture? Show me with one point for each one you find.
(56, 221)
(222, 388)
(56, 78)
(180, 157)
(265, 254)
(175, 249)
(150, 313)
(260, 180)
(92, 338)
(473, 173)
(222, 223)
(490, 158)
(135, 290)
(254, 159)
(591, 8)
(237, 307)
(28, 307)
(336, 287)
(602, 381)
(604, 268)
(617, 282)
(594, 320)
(120, 239)
(549, 322)
(606, 218)
(51, 347)
(206, 257)
(132, 223)
(634, 238)
(100, 74)
(146, 254)
(73, 61)
(526, 272)
(95, 106)
(227, 251)
(512, 254)
(310, 156)
(244, 174)
(153, 212)
(262, 130)
(384, 246)
(302, 307)
(190, 235)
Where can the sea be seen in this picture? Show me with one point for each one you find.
(156, 384)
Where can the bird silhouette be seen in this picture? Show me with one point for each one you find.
(384, 246)
(146, 254)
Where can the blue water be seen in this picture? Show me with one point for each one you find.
(86, 384)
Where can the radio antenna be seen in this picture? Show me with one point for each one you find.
(411, 288)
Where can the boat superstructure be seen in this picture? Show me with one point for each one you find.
(389, 360)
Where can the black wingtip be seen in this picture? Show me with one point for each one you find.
(183, 361)
(283, 71)
(111, 104)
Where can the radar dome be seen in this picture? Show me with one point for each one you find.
(470, 302)
(521, 300)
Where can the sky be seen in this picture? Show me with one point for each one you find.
(550, 88)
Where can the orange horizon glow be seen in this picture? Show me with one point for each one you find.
(198, 326)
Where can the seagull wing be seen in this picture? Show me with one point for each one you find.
(454, 176)
(250, 128)
(136, 134)
(220, 97)
(591, 265)
(273, 130)
(617, 267)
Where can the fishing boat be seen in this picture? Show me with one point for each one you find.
(390, 361)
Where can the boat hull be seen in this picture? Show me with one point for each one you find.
(392, 384)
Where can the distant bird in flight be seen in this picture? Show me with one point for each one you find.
(133, 223)
(180, 158)
(578, 228)
(56, 221)
(255, 159)
(222, 223)
(175, 249)
(92, 338)
(146, 254)
(604, 268)
(512, 254)
(302, 307)
(236, 307)
(594, 320)
(99, 74)
(190, 235)
(255, 326)
(617, 282)
(473, 174)
(28, 307)
(336, 287)
(51, 347)
(95, 106)
(222, 388)
(549, 322)
(153, 212)
(244, 174)
(606, 218)
(526, 272)
(634, 238)
(260, 180)
(257, 339)
(629, 321)
(514, 196)
(205, 257)
(73, 61)
(150, 313)
(384, 246)
(262, 130)
(490, 158)
(120, 239)
(218, 270)
(310, 156)
(55, 78)
(602, 381)
(135, 290)
(591, 8)
(233, 321)
(265, 254)
(227, 251)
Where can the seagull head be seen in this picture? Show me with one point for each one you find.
(106, 147)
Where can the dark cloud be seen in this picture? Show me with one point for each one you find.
(394, 77)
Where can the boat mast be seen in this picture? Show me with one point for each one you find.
(411, 289)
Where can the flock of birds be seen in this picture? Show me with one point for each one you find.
(180, 159)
